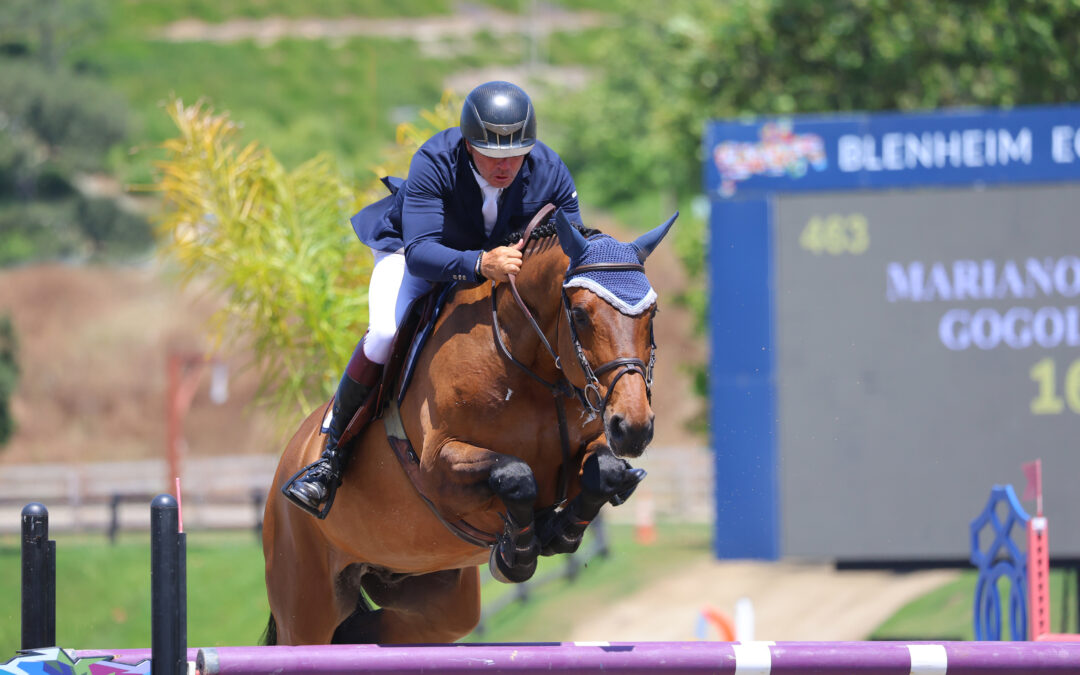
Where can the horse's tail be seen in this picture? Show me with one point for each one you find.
(269, 636)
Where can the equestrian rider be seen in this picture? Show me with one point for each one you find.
(468, 187)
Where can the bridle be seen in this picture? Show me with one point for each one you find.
(589, 395)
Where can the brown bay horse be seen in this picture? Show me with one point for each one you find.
(493, 476)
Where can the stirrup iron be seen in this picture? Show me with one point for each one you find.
(331, 488)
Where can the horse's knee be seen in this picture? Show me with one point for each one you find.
(513, 481)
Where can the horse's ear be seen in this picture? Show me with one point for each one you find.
(648, 241)
(572, 241)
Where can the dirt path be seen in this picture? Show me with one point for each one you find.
(437, 36)
(466, 21)
(792, 602)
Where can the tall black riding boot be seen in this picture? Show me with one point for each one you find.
(313, 488)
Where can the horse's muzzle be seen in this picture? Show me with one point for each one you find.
(628, 438)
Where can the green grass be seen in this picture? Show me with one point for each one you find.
(103, 591)
(296, 97)
(947, 613)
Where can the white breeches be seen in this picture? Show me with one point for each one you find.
(391, 291)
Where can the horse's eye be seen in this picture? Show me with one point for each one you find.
(581, 317)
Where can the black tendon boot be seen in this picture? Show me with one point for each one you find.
(313, 488)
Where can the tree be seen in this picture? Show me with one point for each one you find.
(54, 123)
(675, 65)
(47, 28)
(277, 244)
(9, 375)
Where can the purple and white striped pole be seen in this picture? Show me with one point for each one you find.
(652, 658)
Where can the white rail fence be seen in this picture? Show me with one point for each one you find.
(228, 492)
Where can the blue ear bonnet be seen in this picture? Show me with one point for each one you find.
(628, 291)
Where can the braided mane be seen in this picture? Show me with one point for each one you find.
(543, 231)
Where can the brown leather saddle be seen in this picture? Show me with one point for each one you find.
(412, 335)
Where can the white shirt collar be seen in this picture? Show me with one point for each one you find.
(485, 187)
(490, 208)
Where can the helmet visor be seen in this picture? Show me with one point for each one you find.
(501, 150)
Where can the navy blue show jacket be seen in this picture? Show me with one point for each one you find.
(435, 214)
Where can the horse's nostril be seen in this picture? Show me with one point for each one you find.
(618, 425)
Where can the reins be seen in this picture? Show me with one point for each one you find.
(555, 388)
(590, 396)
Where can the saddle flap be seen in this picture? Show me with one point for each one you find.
(414, 333)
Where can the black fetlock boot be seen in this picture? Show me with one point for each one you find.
(313, 488)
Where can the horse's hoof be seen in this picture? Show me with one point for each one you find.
(562, 543)
(561, 533)
(629, 484)
(512, 573)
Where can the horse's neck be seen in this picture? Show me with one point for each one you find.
(540, 284)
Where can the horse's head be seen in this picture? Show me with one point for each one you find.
(606, 343)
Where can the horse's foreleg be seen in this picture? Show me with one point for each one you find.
(469, 475)
(604, 478)
(513, 557)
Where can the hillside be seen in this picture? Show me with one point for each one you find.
(93, 349)
(93, 346)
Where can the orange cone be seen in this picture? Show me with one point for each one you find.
(645, 520)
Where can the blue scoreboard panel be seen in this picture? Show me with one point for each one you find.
(894, 328)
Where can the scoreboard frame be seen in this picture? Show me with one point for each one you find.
(749, 166)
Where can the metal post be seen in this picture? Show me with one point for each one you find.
(181, 608)
(114, 517)
(257, 500)
(168, 603)
(50, 593)
(38, 579)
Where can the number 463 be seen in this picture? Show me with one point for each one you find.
(836, 234)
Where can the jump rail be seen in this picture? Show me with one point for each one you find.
(170, 655)
(652, 658)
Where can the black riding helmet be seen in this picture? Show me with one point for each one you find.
(498, 120)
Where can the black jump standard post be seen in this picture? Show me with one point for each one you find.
(38, 579)
(168, 588)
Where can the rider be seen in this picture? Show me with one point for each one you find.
(468, 187)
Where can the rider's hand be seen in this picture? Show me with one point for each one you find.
(499, 263)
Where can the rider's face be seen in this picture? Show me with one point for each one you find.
(497, 171)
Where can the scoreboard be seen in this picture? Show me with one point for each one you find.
(894, 328)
